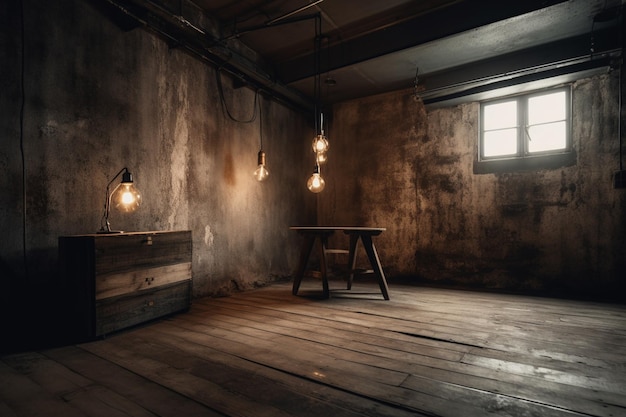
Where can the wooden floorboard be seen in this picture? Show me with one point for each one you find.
(427, 351)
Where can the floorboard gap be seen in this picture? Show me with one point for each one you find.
(438, 339)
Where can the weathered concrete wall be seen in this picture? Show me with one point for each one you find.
(98, 99)
(394, 164)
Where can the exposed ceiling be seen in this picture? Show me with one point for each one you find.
(452, 48)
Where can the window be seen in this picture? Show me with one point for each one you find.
(531, 126)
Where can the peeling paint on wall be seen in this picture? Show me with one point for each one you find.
(178, 217)
(208, 236)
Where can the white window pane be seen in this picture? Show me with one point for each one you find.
(547, 108)
(500, 143)
(500, 115)
(547, 137)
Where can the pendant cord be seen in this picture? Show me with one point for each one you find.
(252, 118)
(317, 67)
(260, 124)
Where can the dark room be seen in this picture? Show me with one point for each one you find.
(312, 208)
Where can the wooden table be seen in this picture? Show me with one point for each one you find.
(322, 233)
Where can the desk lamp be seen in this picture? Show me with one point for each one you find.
(125, 197)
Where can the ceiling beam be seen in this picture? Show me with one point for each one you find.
(563, 56)
(454, 19)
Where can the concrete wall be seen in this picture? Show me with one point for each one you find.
(98, 99)
(394, 164)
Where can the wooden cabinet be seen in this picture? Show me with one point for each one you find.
(113, 281)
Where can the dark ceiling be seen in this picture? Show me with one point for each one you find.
(452, 48)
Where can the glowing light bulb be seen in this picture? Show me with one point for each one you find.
(316, 183)
(320, 144)
(126, 197)
(261, 173)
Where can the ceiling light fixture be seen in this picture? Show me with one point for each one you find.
(261, 173)
(320, 143)
(316, 183)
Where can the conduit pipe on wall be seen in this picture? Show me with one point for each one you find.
(180, 32)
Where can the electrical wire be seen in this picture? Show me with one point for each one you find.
(317, 67)
(260, 125)
(218, 77)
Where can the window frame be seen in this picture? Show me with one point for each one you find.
(523, 159)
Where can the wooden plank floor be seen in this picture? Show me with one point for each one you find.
(427, 351)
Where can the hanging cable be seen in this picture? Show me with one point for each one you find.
(260, 125)
(317, 68)
(220, 89)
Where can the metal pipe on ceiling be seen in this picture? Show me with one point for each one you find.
(289, 14)
(182, 33)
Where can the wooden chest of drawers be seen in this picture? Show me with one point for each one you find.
(113, 281)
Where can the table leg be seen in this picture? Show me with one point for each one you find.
(354, 239)
(305, 252)
(324, 264)
(375, 261)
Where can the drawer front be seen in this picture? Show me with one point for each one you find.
(117, 313)
(128, 251)
(129, 282)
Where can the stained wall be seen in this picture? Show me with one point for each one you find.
(98, 98)
(395, 164)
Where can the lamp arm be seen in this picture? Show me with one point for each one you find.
(116, 175)
(105, 226)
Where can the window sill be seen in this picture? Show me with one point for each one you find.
(531, 163)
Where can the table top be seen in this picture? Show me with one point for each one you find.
(347, 229)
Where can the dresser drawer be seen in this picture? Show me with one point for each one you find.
(128, 282)
(120, 312)
(130, 251)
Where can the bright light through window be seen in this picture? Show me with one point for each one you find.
(546, 108)
(525, 125)
(500, 124)
(547, 127)
(500, 115)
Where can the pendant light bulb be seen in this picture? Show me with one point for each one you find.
(320, 143)
(316, 183)
(321, 157)
(261, 173)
